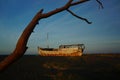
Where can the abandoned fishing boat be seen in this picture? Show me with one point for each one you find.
(63, 50)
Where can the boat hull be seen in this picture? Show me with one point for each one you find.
(60, 52)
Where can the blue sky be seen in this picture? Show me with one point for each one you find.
(102, 36)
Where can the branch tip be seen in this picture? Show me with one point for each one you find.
(84, 19)
(100, 4)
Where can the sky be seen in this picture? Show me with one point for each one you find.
(102, 36)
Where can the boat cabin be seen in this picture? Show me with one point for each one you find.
(79, 46)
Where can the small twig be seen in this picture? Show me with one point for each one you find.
(100, 4)
(78, 16)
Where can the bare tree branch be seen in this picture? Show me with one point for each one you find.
(84, 19)
(66, 6)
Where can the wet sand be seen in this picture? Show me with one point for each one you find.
(86, 67)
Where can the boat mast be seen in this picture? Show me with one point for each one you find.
(47, 41)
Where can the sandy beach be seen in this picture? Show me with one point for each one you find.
(86, 67)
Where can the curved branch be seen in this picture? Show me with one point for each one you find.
(66, 6)
(84, 19)
(21, 45)
(100, 4)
